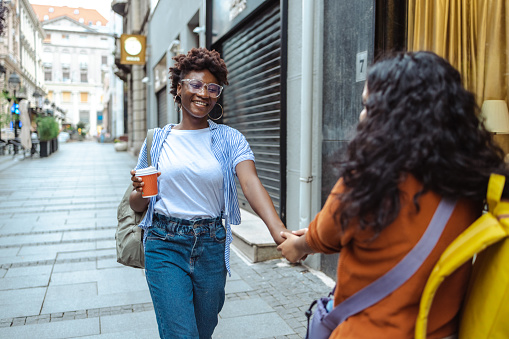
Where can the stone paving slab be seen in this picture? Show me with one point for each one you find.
(236, 308)
(55, 249)
(90, 301)
(54, 330)
(27, 258)
(89, 235)
(130, 322)
(29, 239)
(36, 280)
(20, 302)
(81, 254)
(9, 252)
(74, 266)
(267, 325)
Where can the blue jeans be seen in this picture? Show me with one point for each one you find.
(186, 275)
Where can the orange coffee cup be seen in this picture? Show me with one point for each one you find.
(149, 177)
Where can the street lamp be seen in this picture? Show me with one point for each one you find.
(15, 83)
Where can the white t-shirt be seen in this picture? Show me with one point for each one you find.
(191, 181)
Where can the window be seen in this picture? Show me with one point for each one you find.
(65, 59)
(46, 17)
(84, 96)
(65, 36)
(83, 36)
(47, 74)
(104, 60)
(48, 38)
(83, 59)
(66, 74)
(85, 116)
(50, 95)
(66, 96)
(84, 76)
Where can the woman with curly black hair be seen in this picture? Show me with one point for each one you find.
(419, 140)
(187, 247)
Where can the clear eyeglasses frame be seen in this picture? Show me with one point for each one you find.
(196, 85)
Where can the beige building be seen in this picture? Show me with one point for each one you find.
(76, 58)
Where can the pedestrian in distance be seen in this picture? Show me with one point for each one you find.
(187, 246)
(419, 140)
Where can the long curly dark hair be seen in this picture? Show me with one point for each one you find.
(197, 59)
(420, 120)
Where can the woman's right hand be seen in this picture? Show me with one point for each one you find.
(137, 182)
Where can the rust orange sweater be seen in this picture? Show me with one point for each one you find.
(363, 260)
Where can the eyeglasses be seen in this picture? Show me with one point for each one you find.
(195, 86)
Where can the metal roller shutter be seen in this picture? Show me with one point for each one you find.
(162, 111)
(252, 101)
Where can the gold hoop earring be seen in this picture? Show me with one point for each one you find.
(220, 115)
(176, 104)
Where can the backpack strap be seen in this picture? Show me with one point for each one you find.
(485, 231)
(398, 275)
(150, 136)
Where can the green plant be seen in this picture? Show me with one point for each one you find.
(81, 127)
(5, 116)
(47, 128)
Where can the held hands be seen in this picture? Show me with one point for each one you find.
(293, 248)
(138, 182)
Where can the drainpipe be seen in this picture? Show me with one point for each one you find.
(306, 114)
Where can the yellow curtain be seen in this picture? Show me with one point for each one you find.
(471, 34)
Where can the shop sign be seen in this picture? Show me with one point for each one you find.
(132, 49)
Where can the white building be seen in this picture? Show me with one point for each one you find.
(77, 60)
(20, 51)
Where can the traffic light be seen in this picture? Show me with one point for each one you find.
(15, 108)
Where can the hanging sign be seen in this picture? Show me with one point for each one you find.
(132, 49)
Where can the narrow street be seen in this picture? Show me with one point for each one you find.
(58, 272)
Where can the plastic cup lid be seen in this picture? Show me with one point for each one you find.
(146, 171)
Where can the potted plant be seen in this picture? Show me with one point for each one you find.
(5, 117)
(47, 128)
(82, 130)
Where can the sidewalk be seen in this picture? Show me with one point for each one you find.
(58, 272)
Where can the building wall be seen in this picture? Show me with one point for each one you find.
(177, 23)
(294, 95)
(135, 22)
(350, 30)
(20, 49)
(114, 97)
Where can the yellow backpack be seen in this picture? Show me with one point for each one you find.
(485, 312)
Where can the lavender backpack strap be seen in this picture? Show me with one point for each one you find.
(398, 275)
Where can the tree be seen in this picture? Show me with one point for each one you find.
(5, 116)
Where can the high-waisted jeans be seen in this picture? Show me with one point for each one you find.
(186, 275)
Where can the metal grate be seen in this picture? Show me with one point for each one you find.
(252, 101)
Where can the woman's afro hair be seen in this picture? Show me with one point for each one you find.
(197, 59)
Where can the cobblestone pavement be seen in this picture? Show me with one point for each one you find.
(58, 272)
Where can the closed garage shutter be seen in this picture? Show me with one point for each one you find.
(252, 101)
(162, 112)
